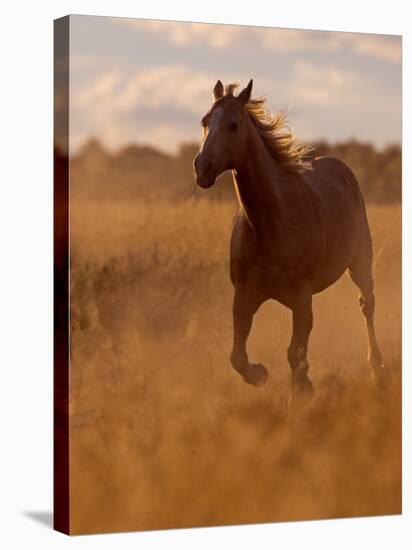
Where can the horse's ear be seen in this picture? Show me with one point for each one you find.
(245, 94)
(218, 90)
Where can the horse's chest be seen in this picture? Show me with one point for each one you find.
(275, 265)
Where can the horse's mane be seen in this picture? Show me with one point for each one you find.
(277, 135)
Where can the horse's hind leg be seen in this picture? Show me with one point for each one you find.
(245, 305)
(298, 347)
(360, 272)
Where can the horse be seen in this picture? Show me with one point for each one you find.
(301, 223)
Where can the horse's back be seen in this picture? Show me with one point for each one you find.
(337, 194)
(331, 177)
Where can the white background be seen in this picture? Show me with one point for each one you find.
(26, 72)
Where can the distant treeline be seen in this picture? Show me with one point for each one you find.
(142, 172)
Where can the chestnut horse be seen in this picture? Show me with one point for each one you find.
(301, 224)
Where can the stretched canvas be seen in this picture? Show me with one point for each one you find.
(227, 274)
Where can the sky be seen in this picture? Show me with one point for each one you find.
(150, 82)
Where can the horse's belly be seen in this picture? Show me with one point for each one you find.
(336, 263)
(328, 279)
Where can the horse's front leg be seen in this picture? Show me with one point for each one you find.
(297, 352)
(245, 305)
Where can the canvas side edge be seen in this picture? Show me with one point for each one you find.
(61, 485)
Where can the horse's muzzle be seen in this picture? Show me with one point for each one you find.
(203, 171)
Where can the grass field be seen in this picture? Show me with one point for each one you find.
(165, 434)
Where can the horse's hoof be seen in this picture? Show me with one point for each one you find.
(301, 396)
(255, 374)
(382, 377)
(302, 389)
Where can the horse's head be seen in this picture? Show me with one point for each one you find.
(224, 134)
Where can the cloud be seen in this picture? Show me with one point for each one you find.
(379, 46)
(159, 86)
(325, 85)
(282, 41)
(151, 88)
(101, 90)
(158, 105)
(162, 105)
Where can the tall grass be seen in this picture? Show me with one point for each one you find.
(165, 434)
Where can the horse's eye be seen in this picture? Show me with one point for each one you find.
(233, 127)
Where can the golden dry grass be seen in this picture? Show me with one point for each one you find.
(165, 434)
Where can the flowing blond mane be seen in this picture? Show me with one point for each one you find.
(277, 135)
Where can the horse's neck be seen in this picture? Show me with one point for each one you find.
(260, 185)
